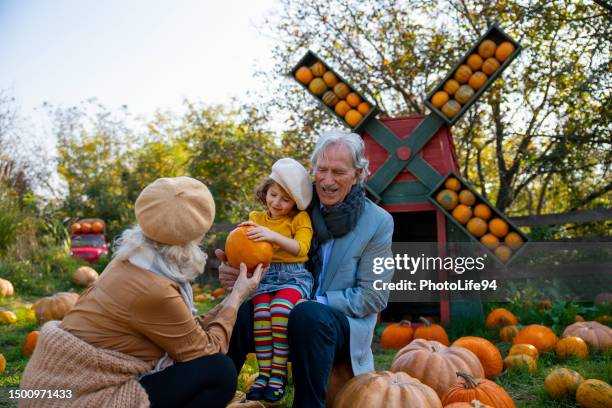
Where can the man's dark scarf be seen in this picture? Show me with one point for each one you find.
(332, 223)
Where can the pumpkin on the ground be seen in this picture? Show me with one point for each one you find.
(562, 383)
(469, 388)
(542, 337)
(603, 298)
(487, 353)
(594, 394)
(30, 342)
(6, 288)
(7, 317)
(386, 389)
(521, 362)
(595, 334)
(218, 292)
(431, 331)
(2, 363)
(507, 333)
(527, 349)
(239, 248)
(84, 276)
(396, 335)
(500, 317)
(54, 307)
(436, 365)
(572, 346)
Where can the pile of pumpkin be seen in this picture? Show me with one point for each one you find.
(429, 370)
(477, 217)
(324, 84)
(471, 75)
(88, 225)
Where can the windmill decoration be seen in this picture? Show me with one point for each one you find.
(413, 161)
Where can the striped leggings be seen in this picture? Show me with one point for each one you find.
(271, 312)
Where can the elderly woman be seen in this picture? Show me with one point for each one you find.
(132, 339)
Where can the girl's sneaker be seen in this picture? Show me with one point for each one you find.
(274, 394)
(255, 393)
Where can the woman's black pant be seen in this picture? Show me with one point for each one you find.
(208, 381)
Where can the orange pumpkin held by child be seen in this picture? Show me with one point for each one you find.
(239, 248)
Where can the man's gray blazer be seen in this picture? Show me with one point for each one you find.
(348, 280)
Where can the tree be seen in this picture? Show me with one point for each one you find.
(539, 141)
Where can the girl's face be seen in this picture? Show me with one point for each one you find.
(278, 201)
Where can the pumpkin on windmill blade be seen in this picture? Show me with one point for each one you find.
(490, 66)
(503, 253)
(462, 74)
(447, 199)
(318, 69)
(451, 108)
(504, 51)
(464, 94)
(486, 49)
(317, 87)
(353, 117)
(304, 75)
(240, 249)
(462, 213)
(452, 184)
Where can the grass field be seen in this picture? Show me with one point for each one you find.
(526, 389)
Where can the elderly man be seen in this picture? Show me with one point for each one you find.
(349, 232)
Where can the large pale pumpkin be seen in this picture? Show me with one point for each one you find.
(596, 335)
(468, 388)
(435, 364)
(562, 383)
(500, 317)
(542, 337)
(487, 353)
(239, 248)
(594, 394)
(386, 389)
(54, 307)
(396, 335)
(84, 276)
(6, 288)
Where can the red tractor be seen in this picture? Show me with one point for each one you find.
(87, 241)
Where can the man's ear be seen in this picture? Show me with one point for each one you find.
(357, 176)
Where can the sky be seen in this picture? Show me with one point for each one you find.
(147, 55)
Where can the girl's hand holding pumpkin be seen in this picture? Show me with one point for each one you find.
(259, 234)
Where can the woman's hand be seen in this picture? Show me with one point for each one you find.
(244, 285)
(227, 274)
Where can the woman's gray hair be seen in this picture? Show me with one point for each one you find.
(352, 141)
(182, 263)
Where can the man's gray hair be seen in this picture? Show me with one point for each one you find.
(352, 141)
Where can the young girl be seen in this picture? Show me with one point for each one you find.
(286, 193)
